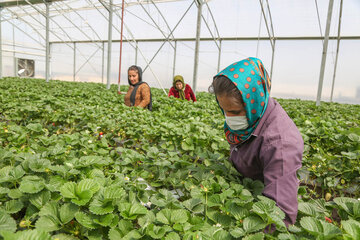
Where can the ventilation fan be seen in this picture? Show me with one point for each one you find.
(25, 67)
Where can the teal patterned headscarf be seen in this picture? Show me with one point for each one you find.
(253, 82)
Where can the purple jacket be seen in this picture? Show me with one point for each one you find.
(273, 154)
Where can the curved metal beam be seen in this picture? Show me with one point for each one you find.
(158, 27)
(337, 51)
(31, 26)
(8, 20)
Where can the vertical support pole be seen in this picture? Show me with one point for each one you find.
(197, 43)
(174, 63)
(272, 58)
(102, 63)
(14, 59)
(109, 44)
(1, 66)
(337, 52)
(74, 63)
(50, 60)
(219, 57)
(121, 40)
(323, 60)
(136, 53)
(47, 61)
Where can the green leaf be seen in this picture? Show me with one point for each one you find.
(4, 173)
(31, 212)
(101, 206)
(85, 220)
(194, 205)
(220, 218)
(179, 216)
(237, 232)
(104, 220)
(164, 216)
(350, 205)
(39, 165)
(68, 190)
(16, 173)
(155, 232)
(147, 219)
(237, 211)
(172, 236)
(137, 209)
(133, 234)
(55, 183)
(48, 223)
(13, 206)
(35, 234)
(158, 201)
(81, 194)
(307, 209)
(214, 200)
(319, 228)
(40, 199)
(280, 225)
(7, 222)
(63, 236)
(354, 137)
(95, 234)
(115, 221)
(82, 198)
(50, 209)
(88, 184)
(253, 224)
(125, 226)
(352, 228)
(115, 234)
(67, 212)
(35, 127)
(15, 193)
(31, 184)
(286, 236)
(4, 190)
(256, 236)
(221, 235)
(113, 192)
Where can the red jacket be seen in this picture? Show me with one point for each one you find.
(188, 93)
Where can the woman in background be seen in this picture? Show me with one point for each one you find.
(181, 90)
(139, 93)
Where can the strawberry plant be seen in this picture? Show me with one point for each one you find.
(76, 163)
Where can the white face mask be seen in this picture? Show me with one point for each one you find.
(237, 122)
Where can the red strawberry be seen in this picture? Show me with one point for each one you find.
(328, 220)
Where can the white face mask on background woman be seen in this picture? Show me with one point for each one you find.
(237, 122)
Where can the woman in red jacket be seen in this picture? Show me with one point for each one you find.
(181, 90)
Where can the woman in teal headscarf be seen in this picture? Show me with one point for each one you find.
(264, 142)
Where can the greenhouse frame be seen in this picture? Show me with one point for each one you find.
(179, 119)
(40, 29)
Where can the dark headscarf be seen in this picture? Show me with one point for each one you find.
(136, 86)
(139, 71)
